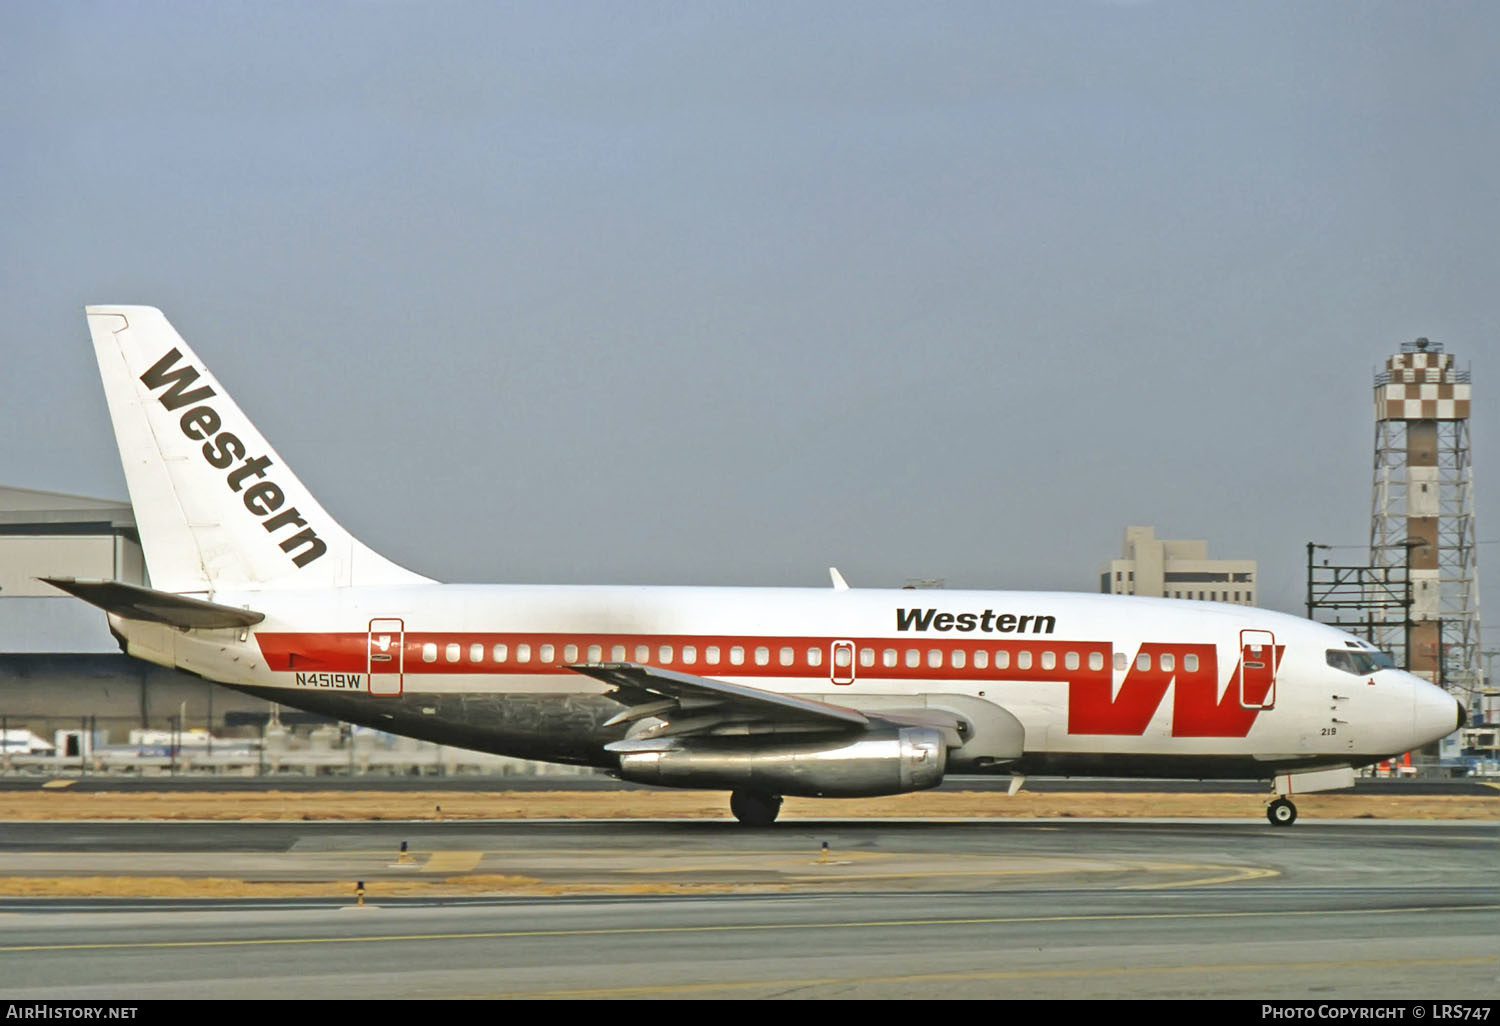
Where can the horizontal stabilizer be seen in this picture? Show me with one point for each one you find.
(136, 603)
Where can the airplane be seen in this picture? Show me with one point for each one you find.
(761, 692)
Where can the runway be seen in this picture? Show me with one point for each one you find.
(640, 909)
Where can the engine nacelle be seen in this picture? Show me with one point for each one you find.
(878, 763)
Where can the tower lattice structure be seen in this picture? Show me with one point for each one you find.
(1422, 514)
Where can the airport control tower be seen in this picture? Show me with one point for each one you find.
(1422, 514)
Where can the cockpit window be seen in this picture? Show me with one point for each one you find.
(1359, 662)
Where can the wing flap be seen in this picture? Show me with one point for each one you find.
(653, 691)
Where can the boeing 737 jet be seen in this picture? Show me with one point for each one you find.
(762, 692)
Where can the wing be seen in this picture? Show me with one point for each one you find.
(701, 705)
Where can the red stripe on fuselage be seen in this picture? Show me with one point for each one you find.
(1095, 706)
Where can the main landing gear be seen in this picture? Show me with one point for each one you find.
(1281, 812)
(755, 808)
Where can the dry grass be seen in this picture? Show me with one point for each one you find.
(283, 806)
(223, 887)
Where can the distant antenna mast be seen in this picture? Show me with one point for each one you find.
(1422, 510)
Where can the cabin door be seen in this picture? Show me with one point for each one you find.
(385, 663)
(1257, 669)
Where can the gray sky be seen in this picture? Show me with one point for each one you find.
(726, 293)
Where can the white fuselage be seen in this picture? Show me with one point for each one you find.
(1098, 683)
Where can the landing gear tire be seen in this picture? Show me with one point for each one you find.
(1281, 813)
(754, 808)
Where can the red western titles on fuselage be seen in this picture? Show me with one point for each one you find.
(223, 448)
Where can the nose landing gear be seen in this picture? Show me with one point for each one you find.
(1281, 812)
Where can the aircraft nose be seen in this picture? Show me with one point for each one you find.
(1438, 713)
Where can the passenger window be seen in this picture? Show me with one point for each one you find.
(786, 655)
(523, 653)
(451, 652)
(1002, 660)
(643, 653)
(476, 653)
(570, 653)
(1049, 661)
(546, 653)
(958, 658)
(1168, 662)
(689, 654)
(913, 658)
(596, 653)
(499, 653)
(1096, 660)
(762, 655)
(867, 657)
(935, 658)
(842, 657)
(888, 657)
(1190, 663)
(1143, 661)
(1070, 661)
(429, 652)
(737, 656)
(617, 653)
(711, 655)
(981, 659)
(815, 657)
(1023, 660)
(1121, 661)
(664, 653)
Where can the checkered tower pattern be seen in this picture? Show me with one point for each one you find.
(1422, 512)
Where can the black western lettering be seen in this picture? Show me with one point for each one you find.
(291, 517)
(200, 422)
(223, 451)
(256, 467)
(174, 381)
(914, 619)
(988, 621)
(263, 499)
(316, 546)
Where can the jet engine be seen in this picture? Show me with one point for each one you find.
(880, 762)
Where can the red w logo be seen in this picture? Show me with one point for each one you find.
(1198, 709)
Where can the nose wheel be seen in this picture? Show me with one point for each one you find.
(754, 808)
(1281, 812)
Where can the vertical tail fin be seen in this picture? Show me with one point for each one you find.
(216, 507)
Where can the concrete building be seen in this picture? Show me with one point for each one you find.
(49, 534)
(1177, 569)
